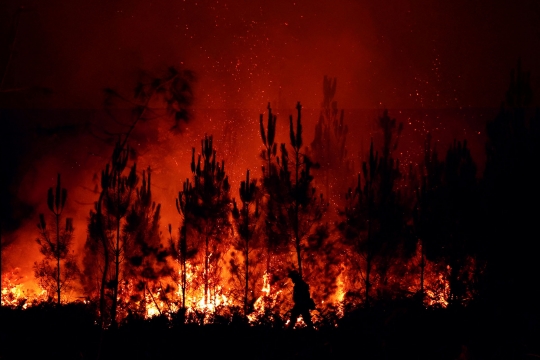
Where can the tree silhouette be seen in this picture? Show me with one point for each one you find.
(209, 215)
(328, 146)
(447, 221)
(303, 206)
(373, 217)
(427, 202)
(460, 177)
(324, 259)
(56, 248)
(107, 238)
(273, 194)
(245, 222)
(167, 96)
(147, 267)
(512, 197)
(328, 150)
(184, 206)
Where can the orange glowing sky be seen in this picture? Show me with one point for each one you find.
(419, 55)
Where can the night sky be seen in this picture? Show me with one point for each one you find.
(412, 57)
(394, 54)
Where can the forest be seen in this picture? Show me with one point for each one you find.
(397, 254)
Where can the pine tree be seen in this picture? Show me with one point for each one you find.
(245, 222)
(329, 144)
(512, 197)
(424, 209)
(459, 242)
(291, 207)
(55, 249)
(168, 96)
(107, 239)
(185, 207)
(273, 193)
(303, 206)
(148, 266)
(373, 217)
(209, 215)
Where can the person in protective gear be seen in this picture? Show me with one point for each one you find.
(303, 302)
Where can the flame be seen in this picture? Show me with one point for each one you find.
(437, 292)
(17, 293)
(262, 301)
(153, 306)
(340, 296)
(271, 307)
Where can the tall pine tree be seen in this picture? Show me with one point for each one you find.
(107, 239)
(58, 269)
(209, 215)
(373, 218)
(246, 222)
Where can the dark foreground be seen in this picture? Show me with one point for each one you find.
(391, 332)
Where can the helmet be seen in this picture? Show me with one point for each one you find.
(293, 274)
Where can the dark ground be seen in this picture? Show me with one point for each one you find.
(390, 332)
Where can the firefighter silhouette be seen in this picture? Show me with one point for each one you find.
(303, 302)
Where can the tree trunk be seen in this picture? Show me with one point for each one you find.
(247, 259)
(103, 282)
(247, 283)
(422, 269)
(116, 256)
(296, 210)
(206, 265)
(269, 208)
(368, 264)
(58, 256)
(104, 242)
(183, 250)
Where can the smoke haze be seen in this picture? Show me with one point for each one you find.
(431, 64)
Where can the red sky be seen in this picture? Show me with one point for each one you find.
(395, 54)
(385, 54)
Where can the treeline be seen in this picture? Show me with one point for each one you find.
(437, 233)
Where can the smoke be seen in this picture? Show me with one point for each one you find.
(245, 54)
